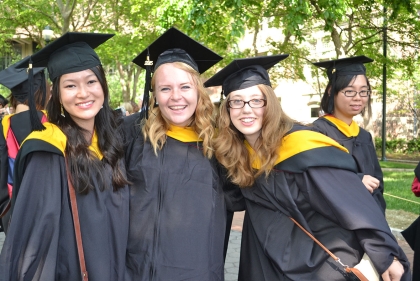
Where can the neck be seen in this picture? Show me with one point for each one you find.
(21, 107)
(345, 119)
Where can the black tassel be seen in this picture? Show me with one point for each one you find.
(33, 114)
(43, 89)
(330, 107)
(144, 114)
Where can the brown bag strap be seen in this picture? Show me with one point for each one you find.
(75, 212)
(2, 214)
(348, 269)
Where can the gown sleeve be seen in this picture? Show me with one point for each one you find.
(352, 207)
(30, 248)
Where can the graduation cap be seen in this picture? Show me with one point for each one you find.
(173, 46)
(244, 73)
(16, 79)
(72, 52)
(342, 67)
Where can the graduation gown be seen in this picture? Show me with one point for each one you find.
(177, 209)
(314, 182)
(359, 143)
(41, 243)
(21, 127)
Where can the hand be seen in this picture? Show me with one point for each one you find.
(394, 272)
(370, 182)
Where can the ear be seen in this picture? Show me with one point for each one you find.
(329, 91)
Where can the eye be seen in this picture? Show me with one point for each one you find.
(256, 101)
(165, 89)
(186, 87)
(92, 81)
(236, 101)
(69, 86)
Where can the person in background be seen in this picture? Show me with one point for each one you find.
(70, 170)
(287, 170)
(348, 94)
(3, 106)
(16, 127)
(412, 233)
(140, 103)
(128, 108)
(177, 202)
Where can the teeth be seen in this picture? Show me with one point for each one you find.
(84, 104)
(177, 107)
(247, 120)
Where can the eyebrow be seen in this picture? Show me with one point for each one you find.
(86, 77)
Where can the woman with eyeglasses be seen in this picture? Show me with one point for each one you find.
(347, 95)
(287, 170)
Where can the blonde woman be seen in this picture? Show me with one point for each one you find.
(177, 205)
(288, 171)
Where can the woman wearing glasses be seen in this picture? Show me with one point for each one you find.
(347, 95)
(287, 170)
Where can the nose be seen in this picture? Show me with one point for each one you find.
(83, 92)
(176, 95)
(247, 108)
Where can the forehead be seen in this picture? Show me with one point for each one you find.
(249, 92)
(170, 73)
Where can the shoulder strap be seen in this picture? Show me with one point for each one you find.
(76, 223)
(350, 270)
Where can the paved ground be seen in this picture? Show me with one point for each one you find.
(232, 256)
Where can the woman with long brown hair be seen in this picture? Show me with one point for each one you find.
(286, 170)
(177, 202)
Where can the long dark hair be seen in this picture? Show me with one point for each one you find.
(85, 168)
(340, 83)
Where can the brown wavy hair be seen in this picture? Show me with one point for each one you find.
(157, 125)
(229, 145)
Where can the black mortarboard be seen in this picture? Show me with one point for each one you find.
(173, 46)
(16, 79)
(342, 67)
(244, 73)
(346, 66)
(72, 52)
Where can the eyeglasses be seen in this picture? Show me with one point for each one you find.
(254, 103)
(363, 93)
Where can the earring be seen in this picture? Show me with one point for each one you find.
(62, 111)
(102, 106)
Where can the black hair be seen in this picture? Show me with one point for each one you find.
(3, 101)
(83, 165)
(342, 82)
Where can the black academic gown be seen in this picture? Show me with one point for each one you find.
(177, 211)
(319, 188)
(363, 151)
(21, 127)
(41, 244)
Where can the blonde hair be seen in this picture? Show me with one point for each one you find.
(229, 145)
(156, 126)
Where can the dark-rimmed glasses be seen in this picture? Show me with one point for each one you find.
(254, 103)
(363, 94)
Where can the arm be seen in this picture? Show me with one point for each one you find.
(340, 196)
(30, 249)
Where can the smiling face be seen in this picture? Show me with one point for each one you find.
(247, 120)
(176, 94)
(82, 96)
(347, 107)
